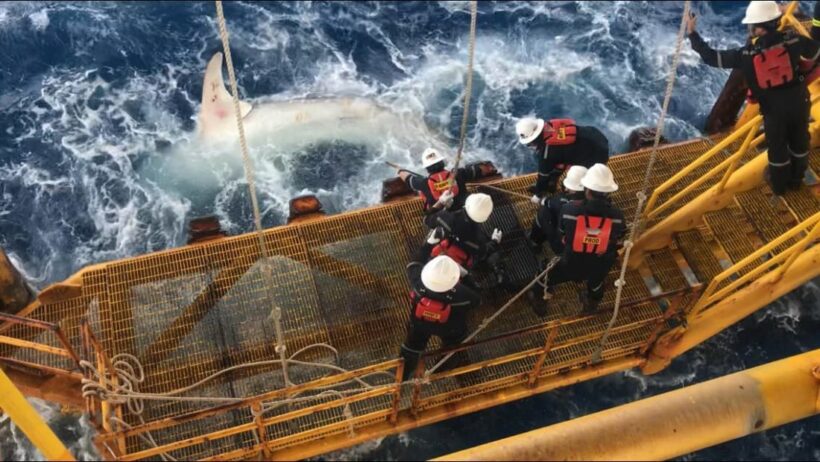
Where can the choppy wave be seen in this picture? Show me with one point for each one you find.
(94, 97)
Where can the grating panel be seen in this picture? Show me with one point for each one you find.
(802, 202)
(770, 221)
(698, 254)
(736, 234)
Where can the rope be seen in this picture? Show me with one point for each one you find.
(468, 88)
(635, 229)
(486, 322)
(276, 311)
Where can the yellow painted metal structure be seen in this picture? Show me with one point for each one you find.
(26, 418)
(675, 423)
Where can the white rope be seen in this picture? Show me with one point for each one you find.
(486, 322)
(276, 311)
(468, 87)
(635, 229)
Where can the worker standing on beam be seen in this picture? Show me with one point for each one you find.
(545, 225)
(442, 189)
(773, 64)
(439, 305)
(559, 144)
(592, 229)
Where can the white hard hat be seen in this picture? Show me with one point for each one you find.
(574, 176)
(430, 157)
(760, 12)
(599, 178)
(479, 206)
(528, 129)
(440, 274)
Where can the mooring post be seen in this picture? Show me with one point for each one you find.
(15, 292)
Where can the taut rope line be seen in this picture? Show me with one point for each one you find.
(635, 229)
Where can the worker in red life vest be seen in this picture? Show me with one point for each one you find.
(439, 306)
(559, 144)
(592, 229)
(545, 226)
(773, 64)
(441, 189)
(464, 239)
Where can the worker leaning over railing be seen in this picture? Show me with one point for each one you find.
(774, 64)
(592, 229)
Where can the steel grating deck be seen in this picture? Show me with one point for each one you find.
(187, 313)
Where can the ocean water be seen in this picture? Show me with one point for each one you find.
(100, 159)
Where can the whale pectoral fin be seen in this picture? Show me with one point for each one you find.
(217, 103)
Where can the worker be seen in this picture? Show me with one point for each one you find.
(771, 63)
(439, 306)
(545, 226)
(464, 240)
(441, 190)
(559, 144)
(592, 229)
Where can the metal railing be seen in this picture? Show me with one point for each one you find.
(785, 259)
(67, 351)
(644, 330)
(728, 166)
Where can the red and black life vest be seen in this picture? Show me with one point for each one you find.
(563, 132)
(773, 66)
(445, 247)
(592, 235)
(427, 309)
(439, 182)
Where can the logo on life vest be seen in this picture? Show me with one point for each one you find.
(592, 240)
(442, 185)
(773, 67)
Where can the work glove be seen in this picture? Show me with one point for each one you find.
(535, 199)
(497, 234)
(435, 235)
(446, 199)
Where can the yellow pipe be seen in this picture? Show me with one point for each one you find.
(674, 423)
(702, 326)
(735, 159)
(25, 417)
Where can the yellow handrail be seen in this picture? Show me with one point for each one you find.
(789, 19)
(24, 416)
(710, 296)
(749, 127)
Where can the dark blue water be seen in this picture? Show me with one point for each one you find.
(95, 96)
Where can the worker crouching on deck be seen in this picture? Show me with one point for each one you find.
(559, 144)
(592, 229)
(545, 226)
(464, 240)
(439, 305)
(773, 64)
(442, 189)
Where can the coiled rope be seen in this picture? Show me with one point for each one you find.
(276, 311)
(637, 221)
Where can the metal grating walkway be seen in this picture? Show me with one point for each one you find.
(190, 312)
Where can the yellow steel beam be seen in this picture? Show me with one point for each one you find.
(24, 416)
(674, 423)
(733, 308)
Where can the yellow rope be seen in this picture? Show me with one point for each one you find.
(276, 311)
(635, 230)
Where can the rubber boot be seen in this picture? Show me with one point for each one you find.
(536, 298)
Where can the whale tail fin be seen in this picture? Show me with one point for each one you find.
(217, 104)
